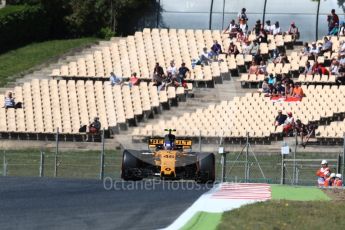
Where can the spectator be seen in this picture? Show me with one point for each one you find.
(268, 27)
(241, 37)
(322, 173)
(262, 69)
(329, 181)
(253, 69)
(242, 15)
(172, 70)
(216, 49)
(243, 26)
(335, 30)
(265, 87)
(340, 79)
(10, 102)
(327, 46)
(182, 74)
(337, 181)
(114, 80)
(95, 126)
(258, 57)
(293, 31)
(286, 79)
(288, 124)
(255, 48)
(289, 89)
(314, 51)
(231, 29)
(158, 76)
(332, 20)
(247, 47)
(308, 68)
(305, 50)
(302, 129)
(204, 57)
(158, 71)
(298, 91)
(271, 79)
(257, 28)
(263, 37)
(232, 50)
(280, 119)
(280, 89)
(342, 49)
(134, 80)
(334, 68)
(342, 29)
(276, 29)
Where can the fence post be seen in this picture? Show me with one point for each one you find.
(200, 141)
(4, 165)
(282, 178)
(56, 153)
(42, 165)
(294, 159)
(224, 167)
(343, 160)
(101, 173)
(246, 163)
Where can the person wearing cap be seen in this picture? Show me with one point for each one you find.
(337, 181)
(293, 31)
(280, 119)
(314, 51)
(329, 181)
(322, 173)
(95, 126)
(288, 124)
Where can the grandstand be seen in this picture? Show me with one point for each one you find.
(67, 105)
(79, 90)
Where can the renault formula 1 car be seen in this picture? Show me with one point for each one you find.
(168, 158)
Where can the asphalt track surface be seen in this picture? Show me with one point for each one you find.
(42, 203)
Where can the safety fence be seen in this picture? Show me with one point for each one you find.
(65, 163)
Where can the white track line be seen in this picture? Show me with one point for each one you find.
(223, 197)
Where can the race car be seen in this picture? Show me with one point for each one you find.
(168, 158)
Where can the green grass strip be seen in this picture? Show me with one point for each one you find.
(203, 221)
(284, 192)
(24, 58)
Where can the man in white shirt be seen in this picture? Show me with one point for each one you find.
(172, 70)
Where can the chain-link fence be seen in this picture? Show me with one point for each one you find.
(246, 160)
(66, 164)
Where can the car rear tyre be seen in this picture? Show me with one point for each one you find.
(206, 168)
(130, 167)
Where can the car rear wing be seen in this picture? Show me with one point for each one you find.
(179, 143)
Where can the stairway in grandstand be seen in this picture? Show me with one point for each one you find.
(85, 73)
